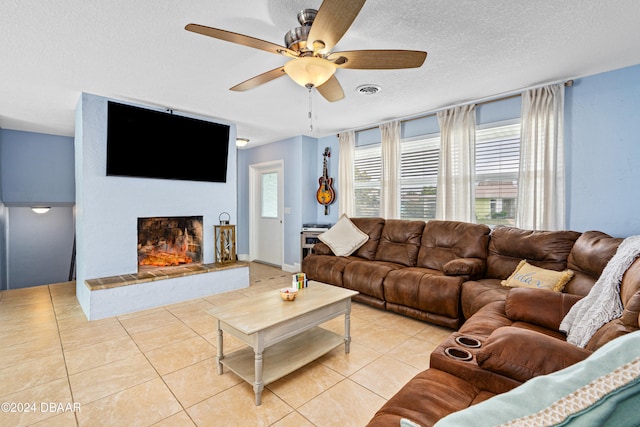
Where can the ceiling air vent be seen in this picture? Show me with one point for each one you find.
(368, 89)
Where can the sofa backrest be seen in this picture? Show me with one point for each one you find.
(444, 241)
(400, 242)
(373, 227)
(510, 245)
(628, 322)
(589, 255)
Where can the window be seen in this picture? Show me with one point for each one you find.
(497, 165)
(269, 195)
(368, 167)
(419, 177)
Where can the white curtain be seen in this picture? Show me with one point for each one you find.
(390, 185)
(346, 192)
(455, 198)
(541, 184)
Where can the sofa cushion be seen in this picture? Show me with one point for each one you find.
(424, 289)
(373, 228)
(322, 249)
(344, 238)
(464, 267)
(400, 242)
(366, 277)
(444, 241)
(510, 245)
(478, 293)
(589, 255)
(539, 306)
(529, 276)
(325, 268)
(426, 398)
(522, 354)
(547, 394)
(628, 322)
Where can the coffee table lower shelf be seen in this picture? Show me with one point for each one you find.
(284, 357)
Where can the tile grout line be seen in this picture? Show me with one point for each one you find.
(64, 359)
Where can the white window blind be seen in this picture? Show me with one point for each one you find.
(497, 164)
(368, 166)
(419, 178)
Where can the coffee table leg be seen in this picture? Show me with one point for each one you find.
(220, 352)
(347, 329)
(258, 386)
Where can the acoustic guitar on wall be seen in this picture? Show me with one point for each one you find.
(325, 194)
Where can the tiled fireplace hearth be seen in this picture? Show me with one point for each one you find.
(158, 274)
(170, 270)
(127, 293)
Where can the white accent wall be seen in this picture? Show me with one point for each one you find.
(107, 207)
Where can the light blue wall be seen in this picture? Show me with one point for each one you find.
(295, 154)
(41, 246)
(35, 169)
(332, 168)
(603, 152)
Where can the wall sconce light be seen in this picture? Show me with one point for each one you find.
(40, 209)
(241, 142)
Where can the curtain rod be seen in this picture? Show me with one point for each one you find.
(486, 100)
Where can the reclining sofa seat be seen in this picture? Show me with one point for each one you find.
(588, 257)
(450, 252)
(398, 248)
(514, 352)
(409, 267)
(507, 247)
(324, 266)
(520, 340)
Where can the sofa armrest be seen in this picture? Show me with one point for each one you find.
(322, 249)
(541, 307)
(522, 354)
(464, 267)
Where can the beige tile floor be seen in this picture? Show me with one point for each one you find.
(157, 367)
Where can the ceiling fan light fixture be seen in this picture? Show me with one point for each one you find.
(310, 70)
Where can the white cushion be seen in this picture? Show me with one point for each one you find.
(344, 238)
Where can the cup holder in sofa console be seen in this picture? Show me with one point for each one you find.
(468, 342)
(458, 354)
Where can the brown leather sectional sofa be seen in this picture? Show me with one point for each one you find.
(449, 273)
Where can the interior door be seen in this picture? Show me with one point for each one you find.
(267, 210)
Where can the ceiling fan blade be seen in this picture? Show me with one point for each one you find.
(259, 79)
(333, 20)
(331, 90)
(240, 39)
(379, 59)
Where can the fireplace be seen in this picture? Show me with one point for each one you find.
(169, 241)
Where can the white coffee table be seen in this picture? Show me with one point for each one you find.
(282, 335)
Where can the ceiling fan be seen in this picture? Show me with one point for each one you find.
(309, 47)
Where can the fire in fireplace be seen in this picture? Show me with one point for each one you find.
(169, 241)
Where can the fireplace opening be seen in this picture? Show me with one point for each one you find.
(169, 241)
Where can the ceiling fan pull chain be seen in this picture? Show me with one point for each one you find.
(310, 109)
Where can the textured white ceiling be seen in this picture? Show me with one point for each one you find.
(51, 51)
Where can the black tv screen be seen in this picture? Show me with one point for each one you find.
(145, 143)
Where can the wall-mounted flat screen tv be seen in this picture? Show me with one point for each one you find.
(144, 143)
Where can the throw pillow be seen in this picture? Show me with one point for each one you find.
(529, 276)
(344, 238)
